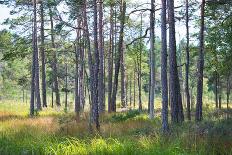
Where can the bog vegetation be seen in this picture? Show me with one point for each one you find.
(115, 77)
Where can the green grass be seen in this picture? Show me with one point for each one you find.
(129, 133)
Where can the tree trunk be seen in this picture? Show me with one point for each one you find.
(152, 61)
(81, 73)
(66, 85)
(95, 101)
(110, 59)
(42, 53)
(187, 63)
(200, 66)
(54, 61)
(220, 93)
(123, 80)
(118, 57)
(174, 79)
(164, 79)
(134, 86)
(32, 101)
(101, 85)
(228, 92)
(216, 89)
(77, 100)
(35, 48)
(130, 96)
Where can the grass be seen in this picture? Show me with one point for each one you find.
(132, 133)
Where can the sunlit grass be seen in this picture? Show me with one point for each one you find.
(53, 131)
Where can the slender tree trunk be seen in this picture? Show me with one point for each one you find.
(164, 79)
(81, 73)
(134, 86)
(110, 58)
(42, 53)
(118, 57)
(54, 61)
(32, 101)
(66, 85)
(228, 92)
(152, 60)
(37, 87)
(90, 65)
(174, 79)
(52, 97)
(96, 68)
(200, 66)
(101, 85)
(187, 63)
(123, 80)
(77, 99)
(130, 96)
(216, 89)
(220, 93)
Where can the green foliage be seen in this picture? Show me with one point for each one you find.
(124, 116)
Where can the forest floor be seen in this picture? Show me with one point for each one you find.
(131, 132)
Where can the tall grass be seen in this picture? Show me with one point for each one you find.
(131, 133)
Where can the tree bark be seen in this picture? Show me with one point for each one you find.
(228, 92)
(42, 53)
(101, 85)
(174, 79)
(164, 79)
(118, 57)
(123, 80)
(32, 100)
(66, 84)
(187, 63)
(95, 102)
(37, 87)
(110, 58)
(152, 61)
(54, 61)
(216, 89)
(77, 99)
(200, 67)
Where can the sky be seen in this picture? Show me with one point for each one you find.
(180, 28)
(4, 14)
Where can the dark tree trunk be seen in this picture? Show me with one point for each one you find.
(32, 101)
(228, 92)
(42, 53)
(110, 59)
(36, 69)
(101, 85)
(187, 63)
(152, 61)
(118, 57)
(134, 86)
(123, 80)
(138, 63)
(66, 85)
(81, 73)
(220, 93)
(216, 89)
(200, 66)
(130, 94)
(54, 61)
(164, 80)
(77, 100)
(174, 79)
(95, 102)
(52, 97)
